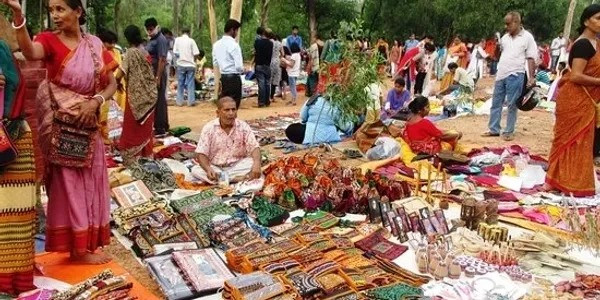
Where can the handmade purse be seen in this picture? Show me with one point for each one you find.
(8, 151)
(72, 145)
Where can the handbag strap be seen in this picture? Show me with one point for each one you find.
(84, 38)
(95, 59)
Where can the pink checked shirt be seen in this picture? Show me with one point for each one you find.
(224, 149)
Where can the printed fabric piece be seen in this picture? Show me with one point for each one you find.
(155, 174)
(18, 217)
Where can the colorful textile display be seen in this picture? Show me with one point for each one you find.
(174, 230)
(102, 286)
(232, 232)
(309, 182)
(18, 192)
(379, 245)
(257, 285)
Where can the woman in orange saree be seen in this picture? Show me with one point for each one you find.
(458, 53)
(571, 165)
(458, 50)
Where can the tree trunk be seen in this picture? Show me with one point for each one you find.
(212, 24)
(42, 16)
(24, 7)
(116, 16)
(199, 14)
(264, 12)
(569, 21)
(312, 19)
(176, 17)
(236, 14)
(212, 21)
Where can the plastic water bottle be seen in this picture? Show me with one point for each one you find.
(223, 179)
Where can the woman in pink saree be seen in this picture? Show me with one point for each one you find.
(79, 80)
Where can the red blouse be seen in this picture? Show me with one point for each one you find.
(56, 51)
(422, 130)
(423, 137)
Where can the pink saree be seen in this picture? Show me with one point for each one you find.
(79, 198)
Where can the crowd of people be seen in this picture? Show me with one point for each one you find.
(85, 71)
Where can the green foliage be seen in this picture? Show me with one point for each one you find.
(471, 19)
(358, 70)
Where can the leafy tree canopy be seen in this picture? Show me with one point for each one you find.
(471, 19)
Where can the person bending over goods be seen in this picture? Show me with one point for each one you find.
(462, 80)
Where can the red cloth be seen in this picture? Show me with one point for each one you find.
(56, 51)
(135, 134)
(407, 62)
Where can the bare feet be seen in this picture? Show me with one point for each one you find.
(548, 188)
(91, 258)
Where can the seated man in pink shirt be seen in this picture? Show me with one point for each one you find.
(227, 145)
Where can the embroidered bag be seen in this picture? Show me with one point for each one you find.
(72, 145)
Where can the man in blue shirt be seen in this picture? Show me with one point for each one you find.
(411, 42)
(294, 38)
(158, 48)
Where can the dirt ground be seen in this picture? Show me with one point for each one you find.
(534, 130)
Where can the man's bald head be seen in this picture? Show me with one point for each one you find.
(512, 22)
(226, 111)
(223, 100)
(515, 16)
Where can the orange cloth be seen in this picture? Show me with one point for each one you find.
(186, 185)
(58, 266)
(571, 163)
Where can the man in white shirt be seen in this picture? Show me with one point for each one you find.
(518, 50)
(227, 56)
(557, 46)
(313, 76)
(186, 51)
(462, 80)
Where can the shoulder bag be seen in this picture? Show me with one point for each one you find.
(72, 145)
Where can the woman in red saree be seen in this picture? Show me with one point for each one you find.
(79, 80)
(138, 121)
(422, 135)
(407, 65)
(571, 165)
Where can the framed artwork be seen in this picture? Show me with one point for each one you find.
(415, 222)
(132, 194)
(401, 212)
(374, 211)
(439, 214)
(428, 227)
